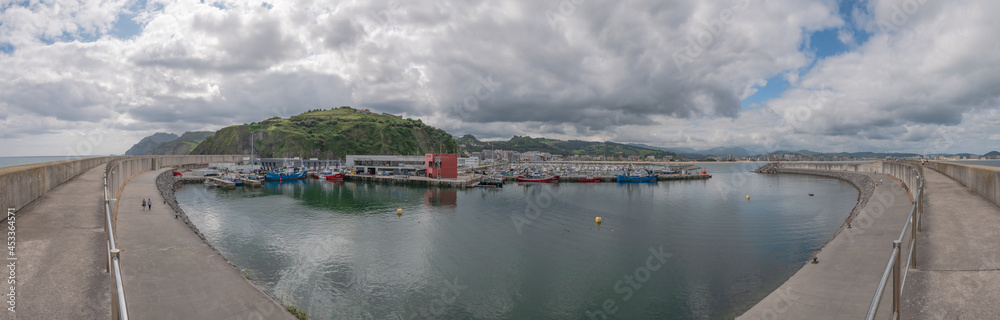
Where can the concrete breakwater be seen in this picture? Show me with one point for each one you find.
(24, 183)
(863, 182)
(983, 180)
(166, 183)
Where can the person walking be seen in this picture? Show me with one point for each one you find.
(143, 204)
(149, 202)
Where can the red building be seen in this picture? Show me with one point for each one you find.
(443, 166)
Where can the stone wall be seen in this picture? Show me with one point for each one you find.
(984, 180)
(121, 169)
(23, 184)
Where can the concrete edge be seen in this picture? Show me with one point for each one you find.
(165, 183)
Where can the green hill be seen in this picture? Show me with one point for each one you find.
(330, 134)
(559, 147)
(184, 144)
(148, 144)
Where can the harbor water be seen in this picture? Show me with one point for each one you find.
(667, 250)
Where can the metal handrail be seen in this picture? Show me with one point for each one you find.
(114, 265)
(899, 276)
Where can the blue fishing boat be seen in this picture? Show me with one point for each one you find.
(286, 174)
(637, 176)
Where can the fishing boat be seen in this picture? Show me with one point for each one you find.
(335, 177)
(493, 180)
(286, 174)
(537, 177)
(589, 179)
(637, 176)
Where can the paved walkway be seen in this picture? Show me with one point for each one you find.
(61, 253)
(170, 273)
(842, 284)
(957, 255)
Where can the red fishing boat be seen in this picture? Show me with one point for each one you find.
(589, 179)
(335, 177)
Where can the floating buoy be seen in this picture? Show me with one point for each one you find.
(598, 220)
(399, 211)
(748, 197)
(810, 194)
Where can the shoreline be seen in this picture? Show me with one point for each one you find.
(863, 182)
(166, 184)
(849, 263)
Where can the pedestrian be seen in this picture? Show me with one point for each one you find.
(143, 204)
(150, 203)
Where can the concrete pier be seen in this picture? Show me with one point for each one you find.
(842, 284)
(61, 253)
(174, 274)
(958, 260)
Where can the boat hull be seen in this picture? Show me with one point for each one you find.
(271, 176)
(594, 179)
(624, 178)
(549, 179)
(335, 177)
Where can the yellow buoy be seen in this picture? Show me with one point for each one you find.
(399, 211)
(748, 197)
(598, 220)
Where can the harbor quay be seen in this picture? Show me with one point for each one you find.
(889, 261)
(952, 274)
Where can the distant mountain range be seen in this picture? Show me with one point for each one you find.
(469, 143)
(168, 143)
(337, 132)
(742, 152)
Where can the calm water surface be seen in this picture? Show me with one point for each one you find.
(529, 251)
(992, 163)
(16, 161)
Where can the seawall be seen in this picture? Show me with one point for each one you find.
(861, 181)
(24, 183)
(983, 180)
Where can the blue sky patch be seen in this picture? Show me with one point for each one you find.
(774, 87)
(125, 27)
(820, 45)
(6, 48)
(826, 43)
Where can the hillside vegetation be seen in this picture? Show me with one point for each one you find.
(329, 134)
(559, 147)
(184, 144)
(148, 144)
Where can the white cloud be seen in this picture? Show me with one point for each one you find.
(597, 71)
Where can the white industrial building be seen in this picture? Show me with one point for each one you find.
(381, 164)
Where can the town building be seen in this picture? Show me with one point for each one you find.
(382, 164)
(441, 166)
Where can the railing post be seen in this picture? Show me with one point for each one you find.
(920, 208)
(896, 279)
(913, 234)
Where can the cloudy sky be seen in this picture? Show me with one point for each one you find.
(94, 77)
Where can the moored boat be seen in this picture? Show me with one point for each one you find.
(537, 177)
(589, 179)
(286, 174)
(335, 177)
(493, 180)
(624, 178)
(637, 176)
